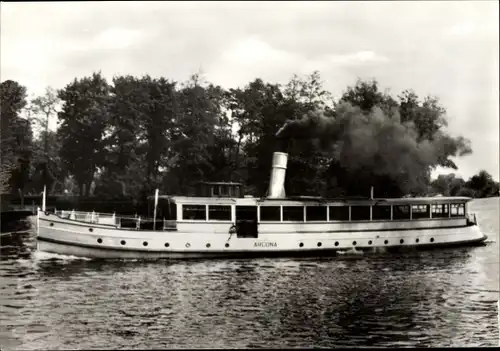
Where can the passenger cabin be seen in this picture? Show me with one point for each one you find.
(223, 206)
(217, 207)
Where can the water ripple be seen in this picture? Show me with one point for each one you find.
(442, 298)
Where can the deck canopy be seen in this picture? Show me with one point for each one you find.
(207, 191)
(319, 201)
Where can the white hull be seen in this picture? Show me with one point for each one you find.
(197, 240)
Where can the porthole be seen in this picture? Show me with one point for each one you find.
(386, 242)
(51, 224)
(354, 243)
(188, 245)
(369, 242)
(227, 245)
(208, 245)
(123, 242)
(167, 244)
(336, 243)
(401, 241)
(91, 230)
(417, 240)
(145, 243)
(301, 244)
(432, 240)
(99, 241)
(319, 244)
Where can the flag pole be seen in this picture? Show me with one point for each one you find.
(156, 205)
(43, 198)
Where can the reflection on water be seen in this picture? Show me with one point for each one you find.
(434, 298)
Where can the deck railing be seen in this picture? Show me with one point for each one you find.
(121, 221)
(471, 218)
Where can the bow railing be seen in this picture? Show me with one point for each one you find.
(121, 221)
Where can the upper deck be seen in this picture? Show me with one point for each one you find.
(228, 193)
(314, 201)
(218, 201)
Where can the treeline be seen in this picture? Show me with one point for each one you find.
(123, 139)
(478, 186)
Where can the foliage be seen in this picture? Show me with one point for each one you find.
(84, 117)
(479, 185)
(121, 140)
(372, 140)
(16, 138)
(46, 166)
(199, 138)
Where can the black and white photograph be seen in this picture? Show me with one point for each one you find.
(249, 174)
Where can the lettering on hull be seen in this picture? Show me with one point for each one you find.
(265, 244)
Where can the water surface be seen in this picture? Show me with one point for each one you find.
(433, 298)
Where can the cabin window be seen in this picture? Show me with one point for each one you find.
(270, 213)
(339, 213)
(381, 212)
(401, 212)
(420, 211)
(166, 210)
(223, 190)
(316, 213)
(293, 213)
(219, 213)
(215, 191)
(236, 191)
(360, 213)
(457, 210)
(220, 190)
(440, 211)
(194, 212)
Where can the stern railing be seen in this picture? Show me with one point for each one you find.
(471, 219)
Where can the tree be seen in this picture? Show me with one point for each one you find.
(479, 185)
(483, 184)
(140, 133)
(259, 111)
(366, 95)
(199, 124)
(429, 119)
(16, 135)
(122, 140)
(84, 118)
(447, 185)
(374, 141)
(47, 167)
(222, 153)
(142, 114)
(421, 129)
(156, 126)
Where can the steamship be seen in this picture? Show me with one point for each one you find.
(221, 221)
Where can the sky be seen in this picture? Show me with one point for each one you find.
(446, 49)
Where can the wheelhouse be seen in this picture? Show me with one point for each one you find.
(219, 189)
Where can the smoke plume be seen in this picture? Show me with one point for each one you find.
(313, 125)
(375, 141)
